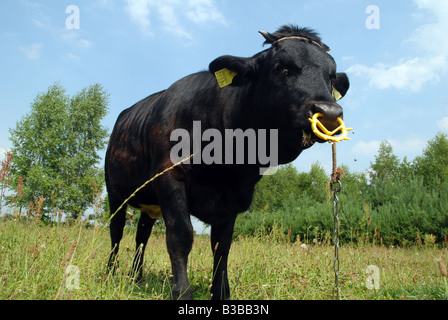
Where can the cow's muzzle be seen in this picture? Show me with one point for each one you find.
(331, 112)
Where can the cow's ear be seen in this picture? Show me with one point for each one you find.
(341, 84)
(235, 71)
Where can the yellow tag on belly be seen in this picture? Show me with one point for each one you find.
(225, 77)
(153, 211)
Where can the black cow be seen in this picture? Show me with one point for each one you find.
(278, 88)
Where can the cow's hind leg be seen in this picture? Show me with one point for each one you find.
(179, 240)
(116, 230)
(145, 224)
(179, 235)
(221, 239)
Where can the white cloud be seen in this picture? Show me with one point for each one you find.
(74, 37)
(32, 52)
(73, 57)
(430, 41)
(366, 148)
(139, 13)
(432, 36)
(170, 12)
(41, 24)
(409, 74)
(443, 124)
(83, 43)
(170, 21)
(204, 11)
(406, 146)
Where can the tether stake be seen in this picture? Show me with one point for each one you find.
(336, 185)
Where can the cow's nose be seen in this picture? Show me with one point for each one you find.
(331, 111)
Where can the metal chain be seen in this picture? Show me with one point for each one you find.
(336, 186)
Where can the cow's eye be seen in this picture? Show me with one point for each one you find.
(281, 70)
(278, 69)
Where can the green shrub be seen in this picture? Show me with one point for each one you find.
(397, 215)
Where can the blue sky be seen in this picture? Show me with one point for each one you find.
(133, 48)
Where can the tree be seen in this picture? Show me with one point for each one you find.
(317, 179)
(272, 190)
(55, 149)
(433, 164)
(5, 177)
(386, 163)
(383, 176)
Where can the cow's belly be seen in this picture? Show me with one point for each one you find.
(153, 211)
(215, 204)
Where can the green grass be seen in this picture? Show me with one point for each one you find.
(33, 260)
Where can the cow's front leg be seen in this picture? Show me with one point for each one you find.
(221, 239)
(179, 239)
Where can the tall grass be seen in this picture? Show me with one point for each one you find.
(34, 259)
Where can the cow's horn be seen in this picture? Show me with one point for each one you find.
(269, 37)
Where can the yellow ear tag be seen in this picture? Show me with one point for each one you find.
(336, 94)
(323, 133)
(225, 77)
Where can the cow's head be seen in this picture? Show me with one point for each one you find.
(292, 80)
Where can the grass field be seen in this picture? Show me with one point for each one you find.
(34, 259)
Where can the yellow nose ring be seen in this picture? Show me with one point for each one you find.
(323, 133)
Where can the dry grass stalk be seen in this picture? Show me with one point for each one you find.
(70, 252)
(442, 268)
